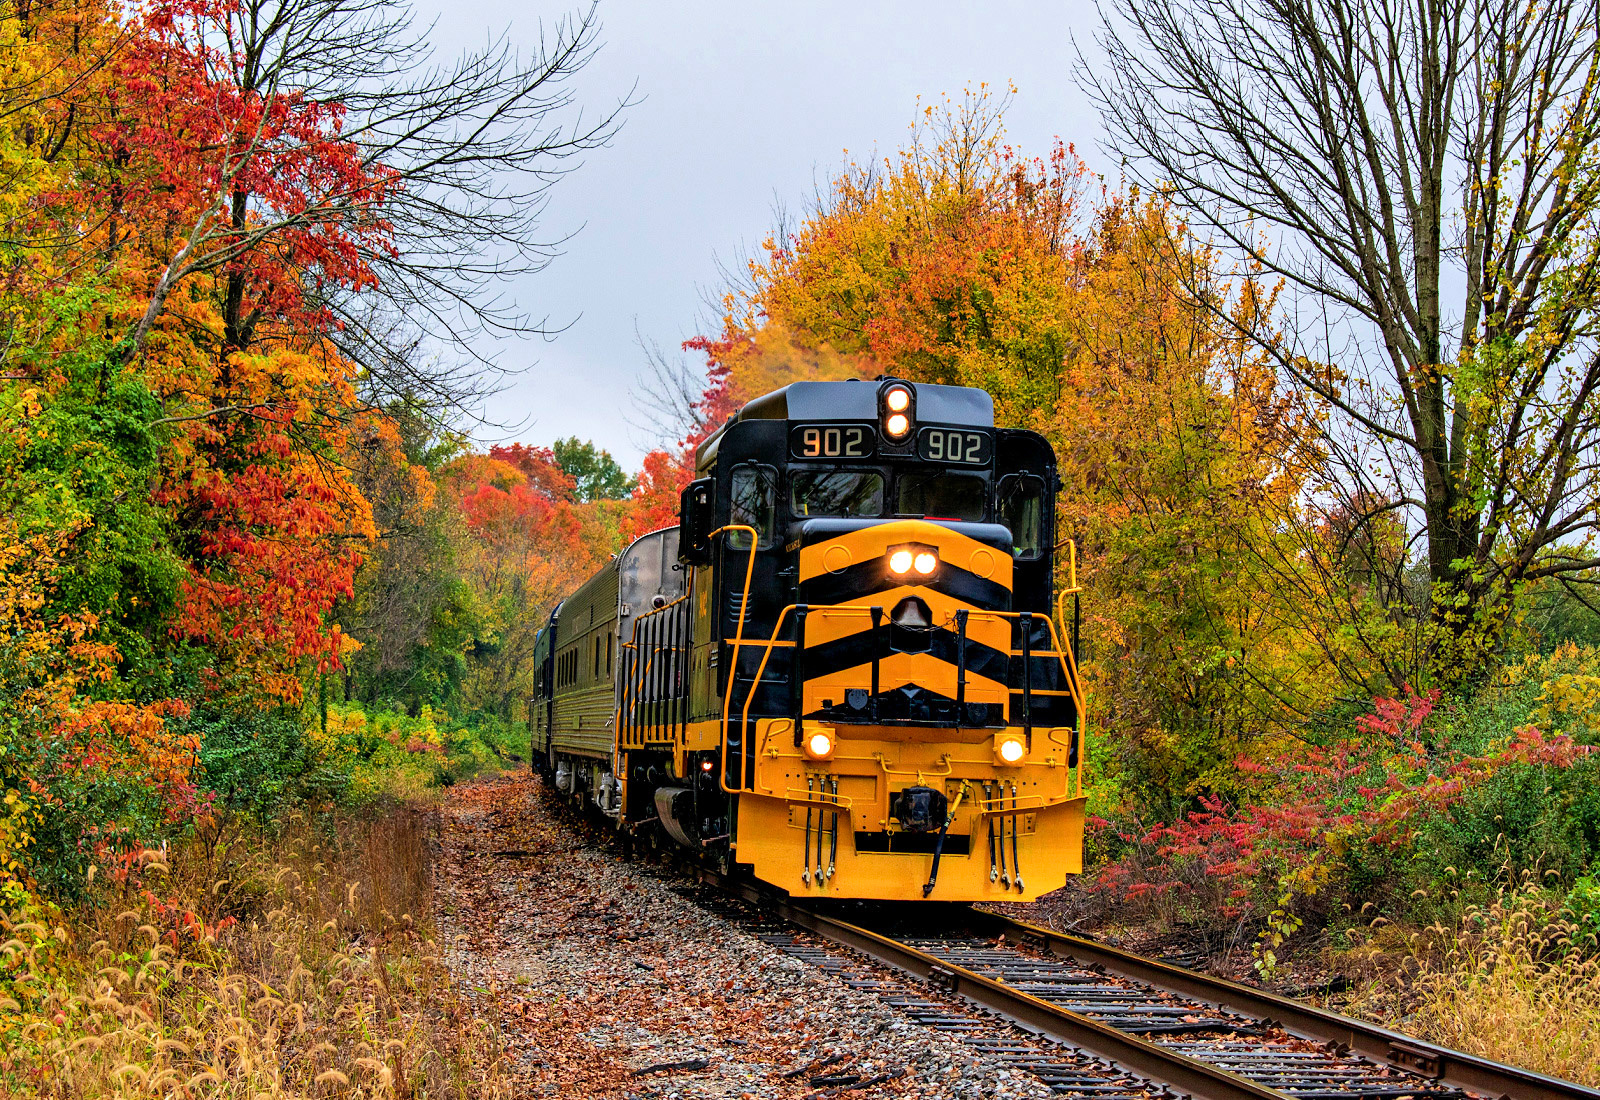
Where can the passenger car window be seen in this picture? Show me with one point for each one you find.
(943, 495)
(753, 492)
(835, 493)
(1022, 510)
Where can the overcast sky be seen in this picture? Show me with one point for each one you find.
(742, 105)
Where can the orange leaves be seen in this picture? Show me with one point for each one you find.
(54, 670)
(943, 265)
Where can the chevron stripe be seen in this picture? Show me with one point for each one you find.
(855, 583)
(855, 650)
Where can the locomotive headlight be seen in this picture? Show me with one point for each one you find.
(1009, 749)
(925, 562)
(819, 745)
(898, 399)
(900, 562)
(897, 425)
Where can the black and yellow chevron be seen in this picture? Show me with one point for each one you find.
(912, 627)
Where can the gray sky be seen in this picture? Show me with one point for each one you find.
(742, 105)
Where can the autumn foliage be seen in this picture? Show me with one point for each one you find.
(178, 426)
(1237, 629)
(219, 544)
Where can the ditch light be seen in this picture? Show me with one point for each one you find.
(1009, 748)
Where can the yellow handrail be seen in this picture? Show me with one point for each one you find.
(1069, 665)
(744, 715)
(644, 673)
(738, 643)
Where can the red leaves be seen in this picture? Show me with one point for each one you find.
(1396, 717)
(655, 499)
(1376, 789)
(273, 549)
(538, 465)
(195, 157)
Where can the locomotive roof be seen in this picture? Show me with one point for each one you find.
(856, 399)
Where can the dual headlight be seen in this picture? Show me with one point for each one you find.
(1008, 747)
(897, 412)
(906, 559)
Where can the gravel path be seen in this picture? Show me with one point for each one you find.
(604, 982)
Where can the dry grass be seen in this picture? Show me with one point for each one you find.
(299, 967)
(1512, 986)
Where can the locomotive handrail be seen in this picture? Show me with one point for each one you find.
(1072, 567)
(744, 716)
(1065, 656)
(1018, 804)
(883, 762)
(634, 684)
(738, 643)
(796, 797)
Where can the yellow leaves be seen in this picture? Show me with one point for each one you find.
(17, 819)
(1569, 696)
(773, 357)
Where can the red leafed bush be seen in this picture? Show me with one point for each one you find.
(1319, 805)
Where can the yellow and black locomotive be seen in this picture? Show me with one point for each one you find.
(843, 672)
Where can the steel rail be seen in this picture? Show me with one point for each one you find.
(1128, 1052)
(1436, 1063)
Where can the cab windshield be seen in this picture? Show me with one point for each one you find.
(835, 493)
(943, 495)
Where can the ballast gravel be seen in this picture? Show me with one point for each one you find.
(604, 982)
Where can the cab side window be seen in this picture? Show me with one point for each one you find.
(753, 502)
(1022, 503)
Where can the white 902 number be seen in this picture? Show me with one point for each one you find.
(943, 446)
(843, 442)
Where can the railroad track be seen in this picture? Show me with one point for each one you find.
(1067, 1070)
(1090, 1020)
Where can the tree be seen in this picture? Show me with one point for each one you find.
(1384, 160)
(595, 474)
(324, 170)
(282, 194)
(522, 545)
(960, 261)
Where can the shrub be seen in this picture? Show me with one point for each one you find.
(1581, 909)
(258, 763)
(1344, 824)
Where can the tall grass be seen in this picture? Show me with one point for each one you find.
(1515, 982)
(298, 965)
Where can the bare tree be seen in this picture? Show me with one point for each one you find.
(1424, 175)
(667, 397)
(466, 150)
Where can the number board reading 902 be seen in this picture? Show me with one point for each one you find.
(832, 441)
(953, 445)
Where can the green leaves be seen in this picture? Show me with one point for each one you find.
(595, 474)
